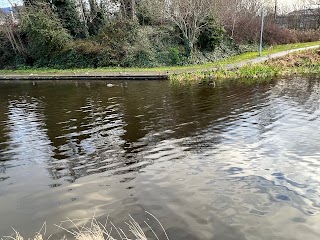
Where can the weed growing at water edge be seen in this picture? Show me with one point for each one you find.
(306, 62)
(94, 230)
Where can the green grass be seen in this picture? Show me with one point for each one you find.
(265, 52)
(252, 73)
(163, 69)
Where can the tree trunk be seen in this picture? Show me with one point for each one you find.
(128, 9)
(189, 46)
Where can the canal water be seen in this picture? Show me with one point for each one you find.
(232, 161)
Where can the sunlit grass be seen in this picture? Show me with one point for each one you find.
(306, 62)
(162, 69)
(248, 72)
(265, 52)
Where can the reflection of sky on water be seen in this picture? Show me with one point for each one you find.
(93, 142)
(28, 142)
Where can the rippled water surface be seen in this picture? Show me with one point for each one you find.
(230, 162)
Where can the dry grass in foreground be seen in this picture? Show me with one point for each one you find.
(94, 230)
(297, 59)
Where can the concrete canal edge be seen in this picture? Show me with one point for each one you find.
(82, 77)
(162, 75)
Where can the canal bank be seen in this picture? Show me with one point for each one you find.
(304, 62)
(145, 74)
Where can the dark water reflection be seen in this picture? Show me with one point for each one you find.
(231, 162)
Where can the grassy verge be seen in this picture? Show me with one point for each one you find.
(231, 60)
(306, 62)
(265, 52)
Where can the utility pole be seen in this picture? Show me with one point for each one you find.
(11, 10)
(261, 32)
(275, 9)
(12, 16)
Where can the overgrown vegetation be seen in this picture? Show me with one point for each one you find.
(306, 62)
(65, 34)
(247, 30)
(44, 32)
(159, 69)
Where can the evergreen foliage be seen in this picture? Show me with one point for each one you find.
(44, 31)
(96, 17)
(7, 54)
(117, 38)
(69, 16)
(143, 15)
(211, 35)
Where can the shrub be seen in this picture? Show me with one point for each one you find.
(7, 54)
(275, 35)
(70, 59)
(88, 48)
(307, 36)
(174, 56)
(211, 35)
(141, 53)
(76, 54)
(45, 33)
(247, 30)
(140, 58)
(143, 14)
(68, 13)
(116, 39)
(166, 45)
(97, 21)
(108, 58)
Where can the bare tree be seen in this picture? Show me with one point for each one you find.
(189, 16)
(9, 28)
(156, 9)
(128, 8)
(229, 13)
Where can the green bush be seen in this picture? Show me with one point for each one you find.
(141, 53)
(87, 47)
(22, 62)
(71, 59)
(45, 33)
(117, 39)
(78, 54)
(140, 58)
(68, 13)
(211, 35)
(163, 45)
(175, 57)
(143, 14)
(7, 54)
(97, 22)
(107, 58)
